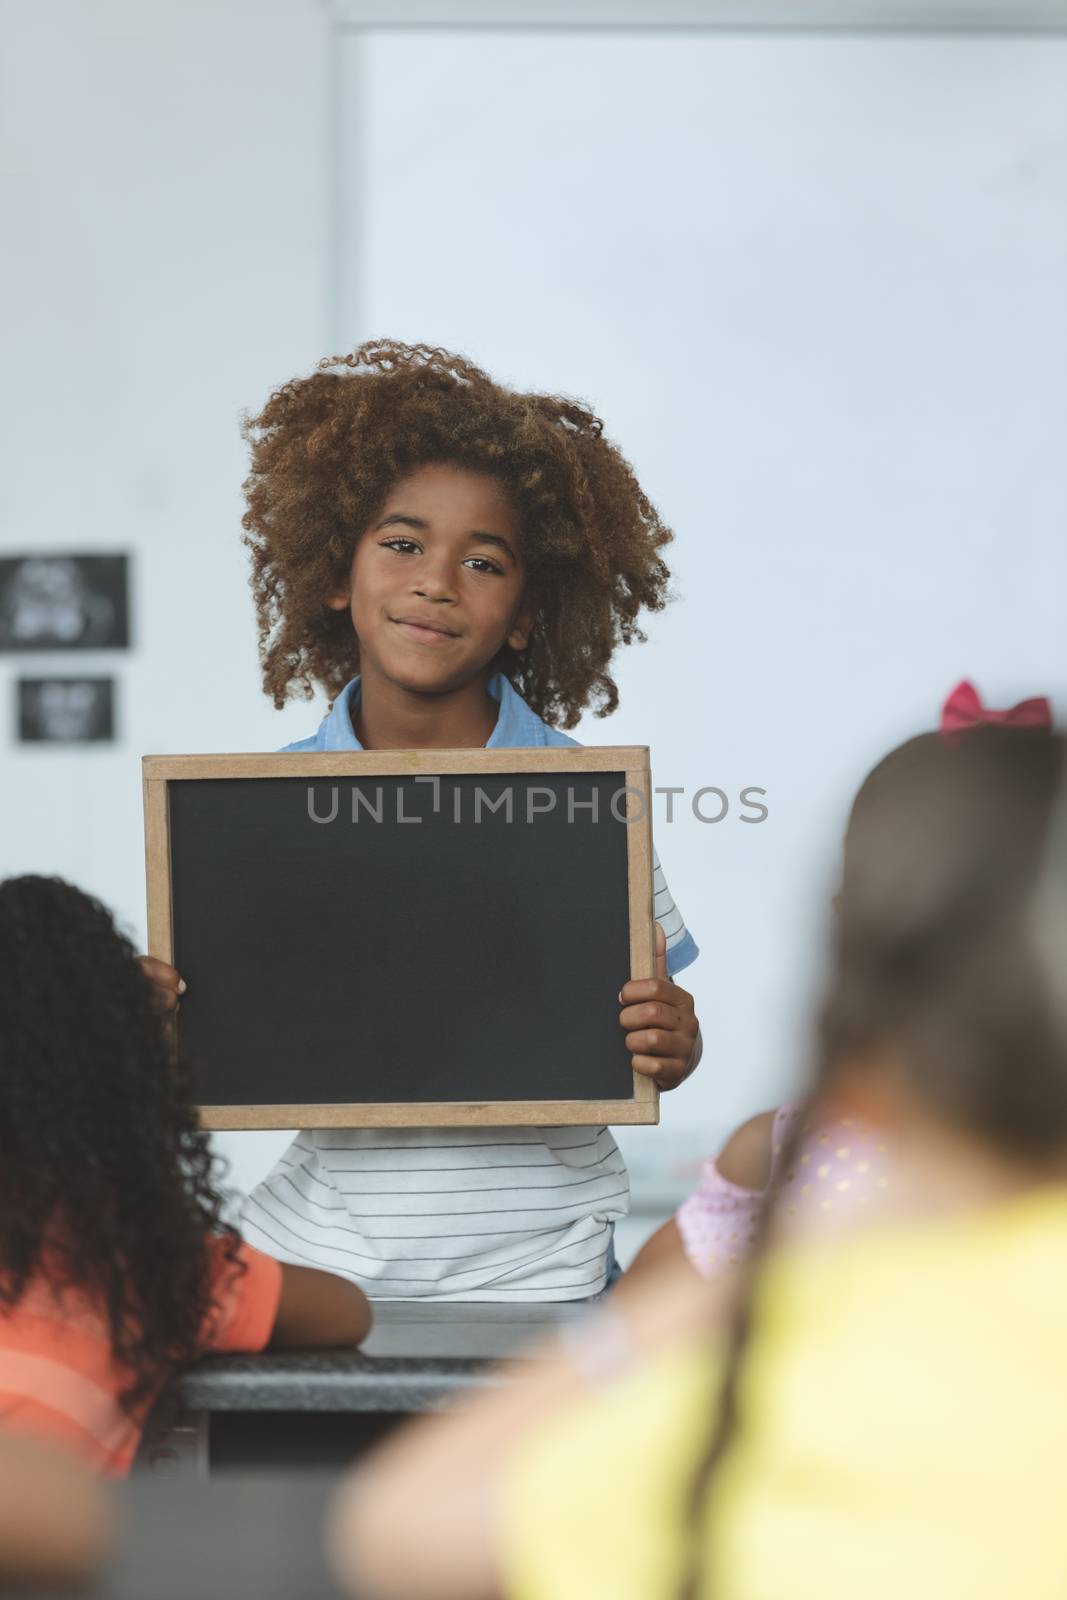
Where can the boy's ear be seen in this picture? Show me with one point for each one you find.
(522, 627)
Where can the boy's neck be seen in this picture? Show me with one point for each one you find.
(389, 717)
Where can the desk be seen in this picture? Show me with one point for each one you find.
(320, 1409)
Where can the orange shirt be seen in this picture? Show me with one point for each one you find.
(57, 1376)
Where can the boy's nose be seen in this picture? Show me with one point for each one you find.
(437, 586)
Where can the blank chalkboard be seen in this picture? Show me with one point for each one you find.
(404, 938)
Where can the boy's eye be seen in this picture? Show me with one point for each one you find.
(405, 547)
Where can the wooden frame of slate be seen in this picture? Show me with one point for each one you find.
(466, 972)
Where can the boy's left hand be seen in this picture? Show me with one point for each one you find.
(662, 1028)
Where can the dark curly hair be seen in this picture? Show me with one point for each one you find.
(105, 1174)
(326, 450)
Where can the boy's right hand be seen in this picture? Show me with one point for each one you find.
(167, 982)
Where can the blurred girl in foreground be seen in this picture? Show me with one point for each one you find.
(840, 1172)
(886, 1414)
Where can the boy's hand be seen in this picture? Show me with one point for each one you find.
(167, 983)
(662, 1028)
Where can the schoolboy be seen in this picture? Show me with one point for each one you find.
(455, 564)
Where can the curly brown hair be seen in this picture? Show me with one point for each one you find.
(327, 449)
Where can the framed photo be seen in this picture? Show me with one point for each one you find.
(66, 710)
(64, 602)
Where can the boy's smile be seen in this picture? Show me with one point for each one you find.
(423, 631)
(437, 583)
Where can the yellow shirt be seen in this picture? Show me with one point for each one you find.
(904, 1437)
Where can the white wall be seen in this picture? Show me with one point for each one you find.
(163, 196)
(815, 287)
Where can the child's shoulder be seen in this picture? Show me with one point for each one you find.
(335, 731)
(518, 725)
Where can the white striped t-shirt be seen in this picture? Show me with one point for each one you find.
(455, 1213)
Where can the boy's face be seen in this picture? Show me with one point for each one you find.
(437, 581)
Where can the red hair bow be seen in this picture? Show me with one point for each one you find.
(963, 709)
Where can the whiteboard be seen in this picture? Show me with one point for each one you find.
(814, 284)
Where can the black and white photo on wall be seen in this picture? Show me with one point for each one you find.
(66, 710)
(64, 602)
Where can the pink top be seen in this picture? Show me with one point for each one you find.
(840, 1173)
